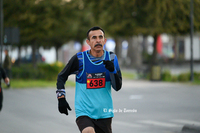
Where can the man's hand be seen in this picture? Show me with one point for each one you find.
(109, 65)
(63, 106)
(7, 80)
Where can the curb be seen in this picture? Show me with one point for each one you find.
(191, 129)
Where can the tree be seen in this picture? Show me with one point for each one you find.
(57, 23)
(51, 23)
(148, 17)
(42, 23)
(117, 18)
(16, 15)
(155, 17)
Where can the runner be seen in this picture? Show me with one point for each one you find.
(96, 71)
(6, 80)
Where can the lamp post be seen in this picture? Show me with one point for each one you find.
(1, 29)
(191, 40)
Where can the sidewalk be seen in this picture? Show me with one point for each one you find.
(182, 68)
(175, 69)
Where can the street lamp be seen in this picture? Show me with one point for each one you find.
(191, 40)
(1, 28)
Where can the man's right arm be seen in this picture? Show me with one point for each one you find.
(71, 67)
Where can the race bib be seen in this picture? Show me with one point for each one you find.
(96, 80)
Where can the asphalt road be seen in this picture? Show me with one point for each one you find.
(140, 107)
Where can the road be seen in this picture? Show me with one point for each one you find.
(140, 107)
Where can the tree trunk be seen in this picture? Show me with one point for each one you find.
(154, 68)
(130, 51)
(19, 55)
(118, 48)
(145, 44)
(134, 52)
(34, 55)
(175, 48)
(57, 52)
(145, 49)
(154, 55)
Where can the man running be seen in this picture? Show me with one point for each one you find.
(96, 71)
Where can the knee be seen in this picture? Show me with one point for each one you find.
(88, 130)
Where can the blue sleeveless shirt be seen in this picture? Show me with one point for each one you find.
(93, 89)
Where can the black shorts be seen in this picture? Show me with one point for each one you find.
(99, 125)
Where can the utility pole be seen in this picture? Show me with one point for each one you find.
(1, 29)
(191, 40)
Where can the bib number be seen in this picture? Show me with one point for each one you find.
(96, 80)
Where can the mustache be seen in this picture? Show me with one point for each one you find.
(98, 44)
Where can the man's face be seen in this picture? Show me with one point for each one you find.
(96, 40)
(6, 52)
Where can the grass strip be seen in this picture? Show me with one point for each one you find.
(19, 83)
(127, 75)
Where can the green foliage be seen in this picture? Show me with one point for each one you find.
(51, 70)
(128, 75)
(184, 77)
(166, 76)
(174, 78)
(45, 22)
(59, 21)
(25, 72)
(196, 76)
(42, 71)
(52, 23)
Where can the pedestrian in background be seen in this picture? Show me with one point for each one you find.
(7, 64)
(96, 71)
(6, 80)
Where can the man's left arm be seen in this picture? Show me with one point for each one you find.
(4, 76)
(115, 72)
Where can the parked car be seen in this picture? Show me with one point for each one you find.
(28, 59)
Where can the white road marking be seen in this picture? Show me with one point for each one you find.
(187, 122)
(135, 97)
(146, 123)
(122, 123)
(158, 123)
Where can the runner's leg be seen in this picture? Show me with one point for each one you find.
(85, 124)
